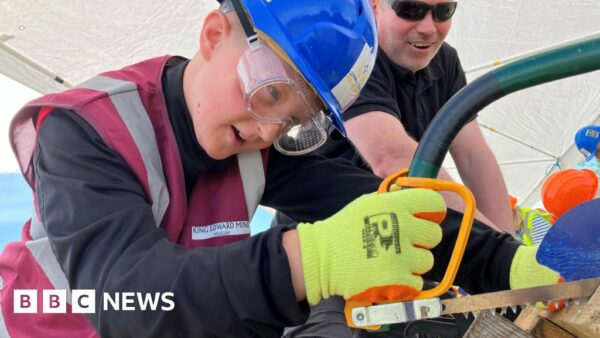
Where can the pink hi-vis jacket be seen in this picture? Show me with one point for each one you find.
(128, 111)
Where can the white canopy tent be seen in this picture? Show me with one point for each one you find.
(49, 46)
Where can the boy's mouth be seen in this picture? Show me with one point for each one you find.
(239, 137)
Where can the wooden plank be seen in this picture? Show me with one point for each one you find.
(581, 320)
(488, 325)
(533, 321)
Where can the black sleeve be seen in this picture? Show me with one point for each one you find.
(103, 233)
(485, 266)
(377, 93)
(311, 188)
(454, 71)
(322, 187)
(455, 75)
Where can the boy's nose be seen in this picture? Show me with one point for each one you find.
(268, 132)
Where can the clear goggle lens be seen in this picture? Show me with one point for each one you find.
(304, 138)
(276, 93)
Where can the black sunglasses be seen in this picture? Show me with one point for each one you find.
(416, 10)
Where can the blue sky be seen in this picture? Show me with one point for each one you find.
(15, 206)
(16, 201)
(15, 197)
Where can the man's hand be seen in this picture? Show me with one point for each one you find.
(378, 240)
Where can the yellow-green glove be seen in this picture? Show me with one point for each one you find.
(376, 241)
(526, 272)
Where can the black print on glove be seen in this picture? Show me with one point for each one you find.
(380, 233)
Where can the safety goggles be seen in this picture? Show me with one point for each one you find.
(275, 93)
(417, 10)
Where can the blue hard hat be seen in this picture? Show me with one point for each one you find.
(587, 139)
(332, 43)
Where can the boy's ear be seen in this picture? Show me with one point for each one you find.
(215, 30)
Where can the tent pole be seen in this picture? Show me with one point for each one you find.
(535, 160)
(512, 138)
(496, 63)
(25, 60)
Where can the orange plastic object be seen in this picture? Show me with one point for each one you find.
(512, 200)
(399, 180)
(567, 188)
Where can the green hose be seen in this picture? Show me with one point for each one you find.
(552, 65)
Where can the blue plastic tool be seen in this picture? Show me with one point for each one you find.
(572, 245)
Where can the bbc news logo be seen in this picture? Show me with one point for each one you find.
(84, 301)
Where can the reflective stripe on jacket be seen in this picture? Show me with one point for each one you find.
(127, 109)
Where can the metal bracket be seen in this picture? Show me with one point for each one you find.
(396, 312)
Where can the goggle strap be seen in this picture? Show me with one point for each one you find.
(251, 35)
(332, 131)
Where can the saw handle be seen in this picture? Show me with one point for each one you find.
(400, 180)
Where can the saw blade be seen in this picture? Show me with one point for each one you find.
(405, 311)
(510, 298)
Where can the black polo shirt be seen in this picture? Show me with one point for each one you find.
(414, 98)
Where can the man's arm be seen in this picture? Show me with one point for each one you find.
(480, 172)
(310, 188)
(487, 260)
(383, 143)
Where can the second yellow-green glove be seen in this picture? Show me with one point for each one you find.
(526, 272)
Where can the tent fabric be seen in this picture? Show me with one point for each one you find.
(14, 68)
(534, 128)
(529, 131)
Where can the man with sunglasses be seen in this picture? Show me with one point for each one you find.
(415, 74)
